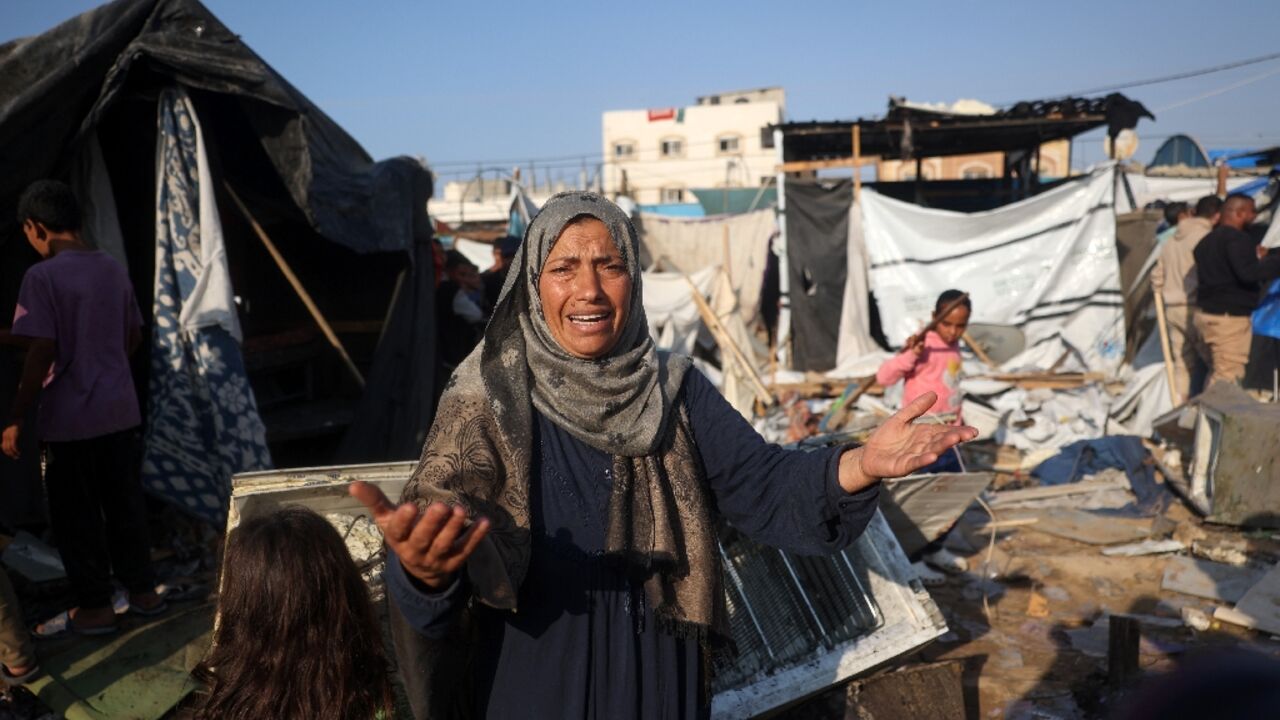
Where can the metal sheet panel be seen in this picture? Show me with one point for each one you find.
(802, 624)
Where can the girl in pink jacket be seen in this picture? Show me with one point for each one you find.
(932, 362)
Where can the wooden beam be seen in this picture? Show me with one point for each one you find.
(806, 165)
(305, 296)
(857, 163)
(726, 343)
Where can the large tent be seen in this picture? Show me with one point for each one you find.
(301, 209)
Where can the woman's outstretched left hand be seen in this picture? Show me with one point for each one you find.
(900, 447)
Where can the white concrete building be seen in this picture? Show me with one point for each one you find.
(659, 155)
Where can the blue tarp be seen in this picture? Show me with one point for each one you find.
(1089, 457)
(1266, 319)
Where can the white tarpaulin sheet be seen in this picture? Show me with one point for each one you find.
(692, 244)
(1047, 264)
(1148, 189)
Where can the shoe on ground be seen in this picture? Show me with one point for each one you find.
(947, 561)
(927, 575)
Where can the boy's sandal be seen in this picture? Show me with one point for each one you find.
(62, 624)
(159, 608)
(14, 680)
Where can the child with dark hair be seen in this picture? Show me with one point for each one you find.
(77, 312)
(296, 635)
(931, 363)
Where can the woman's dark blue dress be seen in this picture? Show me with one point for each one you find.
(582, 643)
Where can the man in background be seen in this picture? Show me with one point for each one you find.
(1175, 278)
(503, 251)
(1230, 270)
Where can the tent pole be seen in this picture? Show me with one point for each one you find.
(726, 342)
(857, 162)
(1166, 350)
(297, 286)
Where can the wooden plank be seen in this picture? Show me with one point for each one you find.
(857, 162)
(807, 165)
(1146, 547)
(1005, 498)
(1206, 579)
(1086, 527)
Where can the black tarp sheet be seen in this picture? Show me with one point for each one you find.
(347, 224)
(817, 242)
(55, 88)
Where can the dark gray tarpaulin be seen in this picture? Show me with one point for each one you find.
(346, 224)
(55, 88)
(817, 242)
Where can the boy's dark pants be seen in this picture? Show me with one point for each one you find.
(98, 516)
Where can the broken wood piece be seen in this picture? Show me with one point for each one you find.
(1211, 580)
(1006, 498)
(1146, 547)
(978, 350)
(1123, 637)
(840, 410)
(1086, 527)
(999, 525)
(1037, 605)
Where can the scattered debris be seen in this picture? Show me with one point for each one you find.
(1089, 527)
(1259, 608)
(925, 692)
(34, 559)
(1196, 618)
(1206, 579)
(1146, 547)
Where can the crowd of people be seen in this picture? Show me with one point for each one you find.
(574, 472)
(1210, 273)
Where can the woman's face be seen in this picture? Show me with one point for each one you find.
(585, 290)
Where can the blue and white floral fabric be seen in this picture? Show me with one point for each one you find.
(203, 423)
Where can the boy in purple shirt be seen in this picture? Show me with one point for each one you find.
(78, 309)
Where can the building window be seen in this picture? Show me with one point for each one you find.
(975, 172)
(728, 144)
(624, 150)
(672, 147)
(672, 195)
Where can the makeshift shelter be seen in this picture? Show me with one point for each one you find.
(181, 140)
(816, 227)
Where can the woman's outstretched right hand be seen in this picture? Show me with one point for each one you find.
(432, 545)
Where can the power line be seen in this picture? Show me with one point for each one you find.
(1177, 76)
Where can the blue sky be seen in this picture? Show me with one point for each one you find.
(488, 81)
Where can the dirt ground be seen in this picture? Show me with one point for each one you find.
(1041, 649)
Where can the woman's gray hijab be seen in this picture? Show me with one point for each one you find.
(619, 404)
(479, 453)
